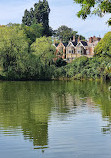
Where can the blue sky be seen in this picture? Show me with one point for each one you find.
(63, 12)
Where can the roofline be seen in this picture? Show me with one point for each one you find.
(82, 44)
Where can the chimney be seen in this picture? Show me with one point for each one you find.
(90, 39)
(73, 38)
(94, 38)
(78, 39)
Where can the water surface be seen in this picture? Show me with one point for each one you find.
(55, 119)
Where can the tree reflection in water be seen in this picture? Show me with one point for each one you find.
(27, 106)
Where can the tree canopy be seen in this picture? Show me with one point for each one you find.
(98, 7)
(13, 48)
(104, 46)
(65, 33)
(38, 15)
(19, 59)
(32, 32)
(43, 49)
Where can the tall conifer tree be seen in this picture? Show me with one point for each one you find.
(38, 14)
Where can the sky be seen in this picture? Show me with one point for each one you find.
(63, 12)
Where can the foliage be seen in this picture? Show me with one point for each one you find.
(94, 7)
(32, 32)
(60, 62)
(38, 15)
(86, 68)
(43, 49)
(65, 33)
(104, 46)
(13, 46)
(97, 67)
(17, 63)
(25, 55)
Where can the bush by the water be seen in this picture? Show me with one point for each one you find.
(86, 68)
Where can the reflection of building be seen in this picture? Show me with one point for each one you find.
(76, 48)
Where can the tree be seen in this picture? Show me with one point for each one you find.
(65, 33)
(13, 48)
(38, 15)
(27, 20)
(99, 7)
(104, 46)
(43, 49)
(60, 62)
(32, 32)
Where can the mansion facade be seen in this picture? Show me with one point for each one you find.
(76, 48)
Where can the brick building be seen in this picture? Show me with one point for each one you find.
(60, 50)
(76, 48)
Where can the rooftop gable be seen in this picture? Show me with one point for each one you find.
(70, 44)
(84, 43)
(56, 44)
(75, 43)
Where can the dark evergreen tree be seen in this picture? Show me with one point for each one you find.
(38, 15)
(27, 18)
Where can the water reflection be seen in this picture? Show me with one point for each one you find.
(27, 106)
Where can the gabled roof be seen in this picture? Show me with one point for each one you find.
(84, 43)
(74, 43)
(56, 44)
(65, 44)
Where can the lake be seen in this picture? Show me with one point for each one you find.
(55, 119)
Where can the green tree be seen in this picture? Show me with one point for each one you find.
(38, 15)
(13, 48)
(99, 7)
(104, 46)
(32, 32)
(60, 62)
(43, 49)
(27, 18)
(17, 62)
(65, 33)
